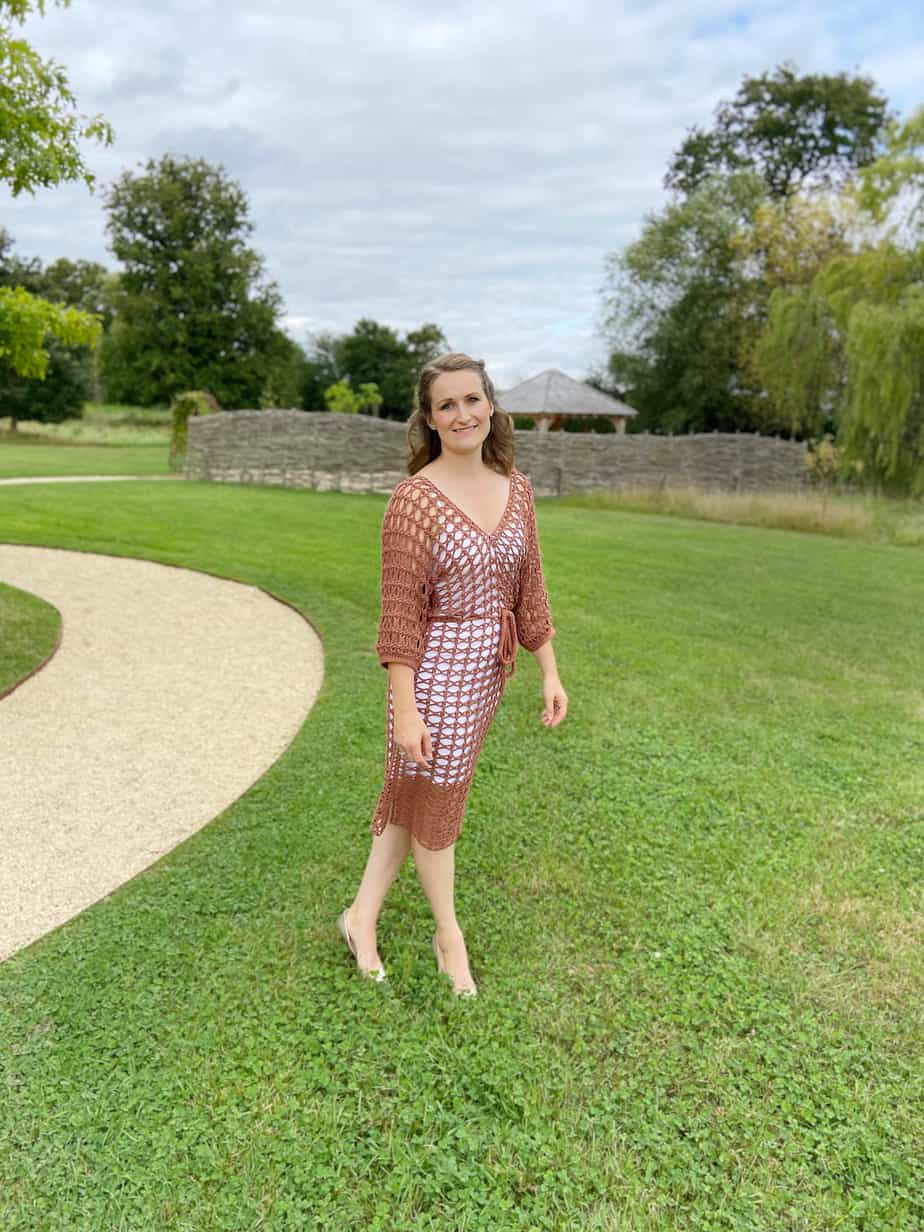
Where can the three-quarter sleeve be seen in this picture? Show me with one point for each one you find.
(532, 611)
(406, 559)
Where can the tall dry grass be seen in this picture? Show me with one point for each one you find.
(821, 511)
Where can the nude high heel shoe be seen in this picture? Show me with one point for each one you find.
(463, 992)
(375, 973)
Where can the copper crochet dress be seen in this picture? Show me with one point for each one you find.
(456, 602)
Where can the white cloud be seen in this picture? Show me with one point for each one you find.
(464, 163)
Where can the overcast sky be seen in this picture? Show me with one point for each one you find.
(468, 164)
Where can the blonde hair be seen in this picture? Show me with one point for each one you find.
(424, 442)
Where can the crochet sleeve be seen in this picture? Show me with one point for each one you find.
(532, 611)
(406, 555)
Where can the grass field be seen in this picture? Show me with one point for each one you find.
(29, 630)
(109, 440)
(694, 912)
(128, 440)
(870, 517)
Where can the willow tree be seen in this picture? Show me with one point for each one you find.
(898, 175)
(784, 348)
(853, 340)
(798, 359)
(883, 418)
(848, 351)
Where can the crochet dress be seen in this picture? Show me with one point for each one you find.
(456, 603)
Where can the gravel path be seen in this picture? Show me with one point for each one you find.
(84, 478)
(170, 694)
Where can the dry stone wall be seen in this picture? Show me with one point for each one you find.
(359, 453)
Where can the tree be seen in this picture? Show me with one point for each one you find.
(86, 285)
(373, 354)
(192, 310)
(898, 172)
(57, 390)
(883, 420)
(89, 286)
(850, 342)
(44, 365)
(39, 135)
(322, 369)
(288, 368)
(39, 130)
(784, 246)
(671, 311)
(422, 345)
(875, 302)
(799, 360)
(795, 132)
(340, 397)
(26, 320)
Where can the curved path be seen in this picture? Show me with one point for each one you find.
(170, 694)
(87, 478)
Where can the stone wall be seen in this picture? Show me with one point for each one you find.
(359, 453)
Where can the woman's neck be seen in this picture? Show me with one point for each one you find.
(460, 470)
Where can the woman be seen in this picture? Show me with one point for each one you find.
(462, 586)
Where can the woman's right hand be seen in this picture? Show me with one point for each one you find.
(413, 738)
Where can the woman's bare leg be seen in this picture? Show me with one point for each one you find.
(437, 871)
(386, 856)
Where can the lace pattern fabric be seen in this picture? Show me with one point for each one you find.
(456, 603)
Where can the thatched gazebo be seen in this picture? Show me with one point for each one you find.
(552, 397)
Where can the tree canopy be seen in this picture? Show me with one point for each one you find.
(670, 311)
(40, 130)
(793, 131)
(785, 245)
(24, 322)
(39, 147)
(782, 288)
(372, 354)
(46, 367)
(343, 399)
(898, 172)
(850, 340)
(193, 309)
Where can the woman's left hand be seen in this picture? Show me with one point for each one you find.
(556, 701)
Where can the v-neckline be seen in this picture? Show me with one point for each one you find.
(488, 534)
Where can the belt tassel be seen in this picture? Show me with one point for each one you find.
(507, 650)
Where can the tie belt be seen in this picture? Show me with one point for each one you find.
(507, 650)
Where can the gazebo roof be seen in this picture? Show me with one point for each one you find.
(554, 393)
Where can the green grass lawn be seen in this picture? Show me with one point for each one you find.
(29, 630)
(108, 440)
(38, 459)
(693, 911)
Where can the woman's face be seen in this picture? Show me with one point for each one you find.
(459, 410)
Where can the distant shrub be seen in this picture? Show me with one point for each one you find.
(827, 464)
